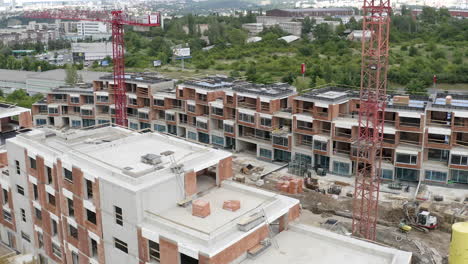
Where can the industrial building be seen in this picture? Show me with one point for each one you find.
(424, 138)
(86, 52)
(310, 12)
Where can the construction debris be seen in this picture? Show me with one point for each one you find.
(201, 208)
(231, 205)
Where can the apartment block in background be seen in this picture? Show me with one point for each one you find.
(111, 195)
(424, 137)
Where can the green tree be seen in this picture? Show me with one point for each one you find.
(236, 36)
(301, 85)
(71, 75)
(413, 51)
(323, 32)
(416, 87)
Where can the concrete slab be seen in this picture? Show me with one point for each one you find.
(302, 244)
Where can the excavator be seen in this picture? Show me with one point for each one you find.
(418, 219)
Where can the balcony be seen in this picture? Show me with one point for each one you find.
(247, 105)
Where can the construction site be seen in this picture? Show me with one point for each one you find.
(139, 168)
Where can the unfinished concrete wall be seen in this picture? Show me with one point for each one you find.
(190, 183)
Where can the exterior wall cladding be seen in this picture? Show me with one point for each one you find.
(425, 138)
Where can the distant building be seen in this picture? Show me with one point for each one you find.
(356, 35)
(93, 29)
(311, 12)
(91, 51)
(293, 28)
(253, 28)
(453, 12)
(272, 20)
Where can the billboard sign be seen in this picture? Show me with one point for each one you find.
(157, 63)
(303, 68)
(154, 18)
(181, 52)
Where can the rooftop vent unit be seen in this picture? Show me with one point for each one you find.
(151, 159)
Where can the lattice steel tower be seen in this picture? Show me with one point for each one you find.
(373, 96)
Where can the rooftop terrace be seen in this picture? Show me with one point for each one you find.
(141, 77)
(270, 90)
(212, 82)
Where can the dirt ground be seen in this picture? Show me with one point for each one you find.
(431, 247)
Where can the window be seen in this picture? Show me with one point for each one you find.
(68, 175)
(265, 122)
(281, 141)
(203, 138)
(217, 111)
(49, 175)
(94, 247)
(102, 99)
(5, 196)
(73, 231)
(23, 214)
(160, 128)
(192, 135)
(20, 189)
(18, 168)
(172, 129)
(41, 122)
(6, 216)
(74, 258)
(119, 244)
(246, 118)
(51, 199)
(154, 252)
(459, 176)
(91, 216)
(89, 189)
(76, 123)
(54, 228)
(191, 108)
(71, 208)
(320, 145)
(436, 176)
(217, 140)
(74, 99)
(35, 192)
(134, 126)
(118, 215)
(25, 236)
(202, 97)
(32, 163)
(265, 153)
(102, 121)
(202, 125)
(56, 250)
(142, 115)
(53, 110)
(341, 168)
(405, 174)
(304, 125)
(406, 158)
(86, 112)
(387, 174)
(228, 129)
(40, 240)
(459, 160)
(170, 117)
(132, 101)
(145, 125)
(158, 102)
(38, 213)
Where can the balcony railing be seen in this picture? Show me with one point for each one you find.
(247, 105)
(253, 136)
(437, 141)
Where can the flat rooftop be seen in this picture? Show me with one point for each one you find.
(329, 94)
(10, 110)
(60, 74)
(211, 82)
(219, 230)
(117, 152)
(141, 77)
(269, 90)
(303, 244)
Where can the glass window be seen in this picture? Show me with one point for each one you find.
(134, 126)
(68, 175)
(73, 231)
(56, 250)
(265, 122)
(118, 215)
(154, 252)
(217, 111)
(41, 122)
(320, 145)
(6, 216)
(160, 128)
(436, 176)
(246, 118)
(438, 155)
(158, 102)
(217, 140)
(119, 244)
(304, 125)
(405, 174)
(406, 158)
(281, 141)
(341, 168)
(76, 123)
(192, 135)
(228, 129)
(91, 216)
(459, 160)
(203, 138)
(266, 153)
(202, 125)
(459, 176)
(387, 174)
(172, 129)
(20, 189)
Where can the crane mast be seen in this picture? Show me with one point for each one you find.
(373, 97)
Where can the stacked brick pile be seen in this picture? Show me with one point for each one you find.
(231, 205)
(201, 208)
(291, 185)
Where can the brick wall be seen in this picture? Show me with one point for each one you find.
(224, 169)
(169, 251)
(190, 183)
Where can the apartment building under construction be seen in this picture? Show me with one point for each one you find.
(425, 137)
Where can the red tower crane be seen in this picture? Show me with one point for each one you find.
(117, 19)
(373, 97)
